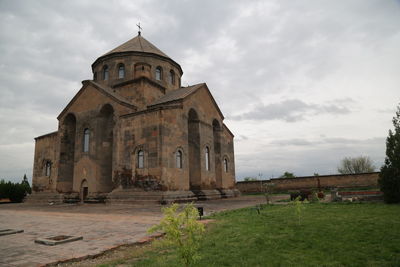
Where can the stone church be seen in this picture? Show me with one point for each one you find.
(133, 133)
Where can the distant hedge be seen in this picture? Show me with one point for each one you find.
(16, 192)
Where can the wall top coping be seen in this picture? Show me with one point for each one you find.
(307, 177)
(46, 135)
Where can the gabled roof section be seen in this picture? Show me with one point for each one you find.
(177, 94)
(229, 131)
(46, 135)
(138, 44)
(107, 91)
(182, 93)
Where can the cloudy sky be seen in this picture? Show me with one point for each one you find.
(302, 84)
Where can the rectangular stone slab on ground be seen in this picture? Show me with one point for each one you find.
(10, 231)
(56, 240)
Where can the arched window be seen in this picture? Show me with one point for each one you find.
(207, 154)
(158, 73)
(179, 159)
(48, 168)
(105, 73)
(86, 139)
(140, 159)
(121, 71)
(95, 76)
(226, 165)
(171, 77)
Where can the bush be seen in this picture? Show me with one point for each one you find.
(298, 205)
(287, 175)
(303, 194)
(16, 192)
(182, 231)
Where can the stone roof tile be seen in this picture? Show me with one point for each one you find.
(138, 44)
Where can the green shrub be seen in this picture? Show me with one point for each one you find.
(182, 231)
(314, 198)
(298, 205)
(16, 192)
(268, 190)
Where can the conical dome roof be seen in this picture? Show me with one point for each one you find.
(138, 44)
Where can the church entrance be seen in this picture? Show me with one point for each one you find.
(84, 191)
(194, 150)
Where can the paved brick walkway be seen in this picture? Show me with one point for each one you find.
(102, 227)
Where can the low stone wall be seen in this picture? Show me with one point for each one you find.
(311, 182)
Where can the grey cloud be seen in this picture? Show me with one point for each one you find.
(274, 160)
(290, 111)
(240, 138)
(323, 141)
(387, 110)
(292, 142)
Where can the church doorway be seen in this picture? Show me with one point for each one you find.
(194, 150)
(84, 191)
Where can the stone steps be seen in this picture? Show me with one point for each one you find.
(207, 194)
(44, 197)
(133, 196)
(228, 193)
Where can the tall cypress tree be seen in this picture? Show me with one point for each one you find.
(26, 184)
(389, 178)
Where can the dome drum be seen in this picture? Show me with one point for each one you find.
(136, 66)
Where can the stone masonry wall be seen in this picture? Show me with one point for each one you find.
(139, 132)
(174, 138)
(311, 182)
(45, 151)
(89, 166)
(207, 112)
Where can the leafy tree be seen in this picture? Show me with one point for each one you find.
(182, 231)
(389, 177)
(287, 175)
(248, 179)
(361, 164)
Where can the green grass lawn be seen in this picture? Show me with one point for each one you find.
(329, 235)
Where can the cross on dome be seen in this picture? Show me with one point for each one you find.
(139, 27)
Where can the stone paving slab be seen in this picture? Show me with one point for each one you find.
(10, 231)
(103, 227)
